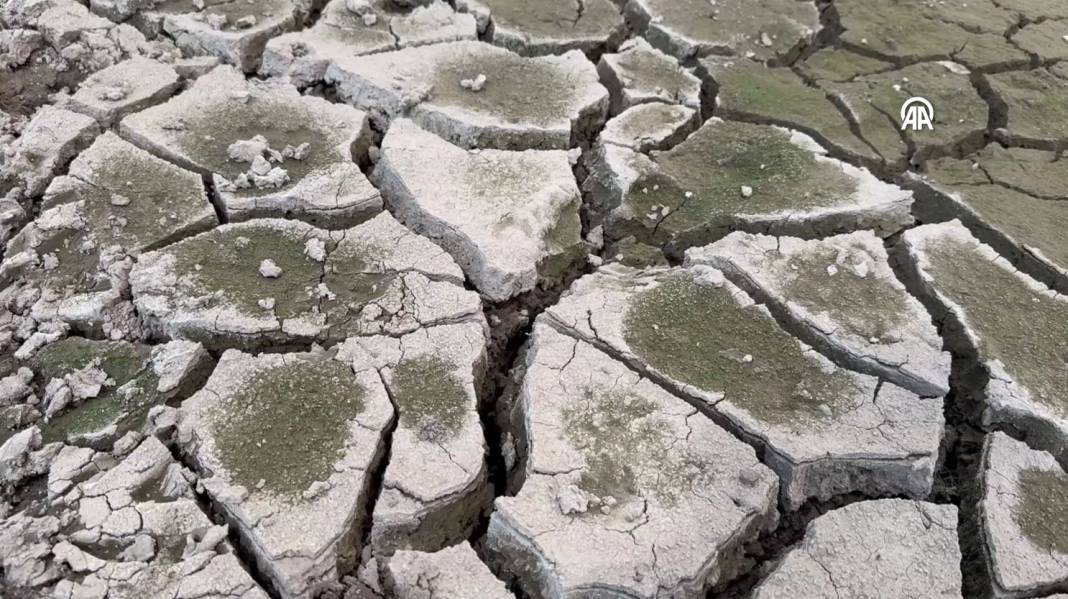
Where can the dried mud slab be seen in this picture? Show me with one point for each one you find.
(552, 102)
(435, 485)
(129, 86)
(1013, 325)
(452, 573)
(873, 104)
(639, 73)
(1037, 114)
(823, 429)
(509, 219)
(910, 31)
(650, 126)
(762, 29)
(840, 65)
(626, 489)
(97, 391)
(1024, 528)
(71, 264)
(130, 198)
(550, 26)
(881, 549)
(731, 175)
(276, 282)
(303, 56)
(1045, 39)
(126, 530)
(270, 151)
(48, 142)
(749, 91)
(840, 295)
(235, 32)
(286, 445)
(1013, 198)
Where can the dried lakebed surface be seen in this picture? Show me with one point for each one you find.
(427, 299)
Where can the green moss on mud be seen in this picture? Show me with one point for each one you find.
(518, 90)
(1041, 515)
(129, 399)
(229, 262)
(698, 335)
(720, 158)
(288, 425)
(1026, 331)
(431, 399)
(867, 306)
(161, 198)
(628, 448)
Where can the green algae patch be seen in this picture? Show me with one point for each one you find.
(778, 95)
(698, 335)
(655, 71)
(1041, 515)
(161, 199)
(627, 448)
(1034, 223)
(286, 426)
(860, 304)
(77, 269)
(1025, 330)
(129, 399)
(837, 64)
(518, 90)
(1035, 101)
(224, 265)
(430, 398)
(719, 159)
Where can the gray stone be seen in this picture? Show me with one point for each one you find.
(1023, 525)
(196, 129)
(825, 430)
(1004, 319)
(669, 499)
(841, 297)
(552, 102)
(374, 278)
(452, 573)
(293, 487)
(884, 549)
(510, 219)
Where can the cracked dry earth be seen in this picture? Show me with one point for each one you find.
(486, 299)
